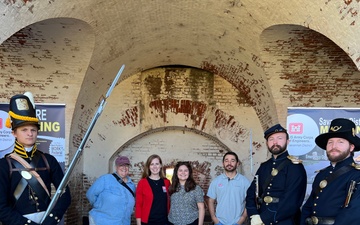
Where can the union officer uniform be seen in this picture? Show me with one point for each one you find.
(335, 198)
(278, 189)
(26, 174)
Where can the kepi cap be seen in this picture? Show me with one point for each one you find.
(274, 129)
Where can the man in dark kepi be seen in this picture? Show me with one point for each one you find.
(278, 189)
(335, 195)
(26, 174)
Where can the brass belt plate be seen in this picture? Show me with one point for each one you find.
(268, 199)
(315, 220)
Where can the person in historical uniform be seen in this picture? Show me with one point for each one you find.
(335, 195)
(278, 189)
(26, 174)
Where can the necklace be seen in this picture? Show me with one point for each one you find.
(155, 182)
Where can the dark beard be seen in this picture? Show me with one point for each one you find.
(279, 149)
(232, 170)
(338, 158)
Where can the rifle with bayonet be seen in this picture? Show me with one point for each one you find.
(77, 155)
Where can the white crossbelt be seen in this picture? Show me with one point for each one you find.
(36, 217)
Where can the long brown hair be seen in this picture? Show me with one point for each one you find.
(147, 171)
(190, 183)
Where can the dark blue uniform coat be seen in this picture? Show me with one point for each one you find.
(330, 201)
(289, 186)
(11, 213)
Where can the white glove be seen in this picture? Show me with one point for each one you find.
(256, 220)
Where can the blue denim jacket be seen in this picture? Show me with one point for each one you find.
(112, 203)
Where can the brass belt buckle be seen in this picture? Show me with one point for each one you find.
(268, 199)
(315, 220)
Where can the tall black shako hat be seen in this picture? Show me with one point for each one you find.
(274, 129)
(22, 111)
(340, 128)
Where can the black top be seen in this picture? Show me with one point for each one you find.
(158, 211)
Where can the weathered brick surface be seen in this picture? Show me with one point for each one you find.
(175, 123)
(243, 63)
(306, 69)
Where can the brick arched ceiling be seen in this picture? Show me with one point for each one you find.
(307, 69)
(49, 58)
(275, 53)
(223, 37)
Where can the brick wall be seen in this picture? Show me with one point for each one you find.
(172, 115)
(306, 69)
(253, 72)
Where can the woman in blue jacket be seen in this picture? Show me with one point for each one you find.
(112, 196)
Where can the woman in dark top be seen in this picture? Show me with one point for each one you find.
(152, 198)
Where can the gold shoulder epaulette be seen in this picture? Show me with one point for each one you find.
(294, 159)
(357, 159)
(356, 166)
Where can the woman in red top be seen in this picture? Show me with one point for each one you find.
(152, 197)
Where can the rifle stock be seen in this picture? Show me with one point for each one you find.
(77, 155)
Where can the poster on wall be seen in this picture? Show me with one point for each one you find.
(304, 125)
(51, 137)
